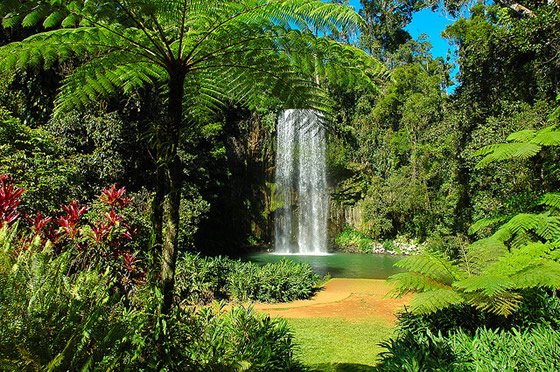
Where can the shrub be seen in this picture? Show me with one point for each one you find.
(352, 241)
(283, 281)
(531, 350)
(200, 280)
(239, 339)
(487, 350)
(462, 337)
(50, 319)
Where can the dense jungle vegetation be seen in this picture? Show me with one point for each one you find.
(137, 138)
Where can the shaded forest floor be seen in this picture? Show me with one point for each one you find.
(340, 328)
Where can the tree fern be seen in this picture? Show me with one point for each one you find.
(522, 253)
(201, 54)
(523, 145)
(437, 299)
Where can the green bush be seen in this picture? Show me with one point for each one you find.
(487, 350)
(463, 338)
(239, 339)
(533, 350)
(352, 241)
(283, 281)
(54, 317)
(200, 280)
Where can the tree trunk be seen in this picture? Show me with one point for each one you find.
(172, 202)
(156, 243)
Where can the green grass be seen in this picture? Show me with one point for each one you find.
(333, 344)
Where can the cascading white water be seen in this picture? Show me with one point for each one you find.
(301, 184)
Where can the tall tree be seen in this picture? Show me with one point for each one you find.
(200, 54)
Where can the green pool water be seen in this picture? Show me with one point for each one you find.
(340, 265)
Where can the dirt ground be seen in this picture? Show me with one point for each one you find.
(350, 299)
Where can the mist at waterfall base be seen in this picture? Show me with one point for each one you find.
(301, 196)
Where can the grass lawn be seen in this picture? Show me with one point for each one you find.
(334, 344)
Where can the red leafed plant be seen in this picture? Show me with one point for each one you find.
(114, 197)
(105, 240)
(9, 200)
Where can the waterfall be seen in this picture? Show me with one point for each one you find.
(301, 184)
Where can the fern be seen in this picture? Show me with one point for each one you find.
(432, 301)
(522, 145)
(551, 200)
(201, 54)
(485, 223)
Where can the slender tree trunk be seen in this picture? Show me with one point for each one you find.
(172, 200)
(157, 208)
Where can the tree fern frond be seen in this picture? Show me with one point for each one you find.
(432, 301)
(550, 200)
(482, 253)
(550, 229)
(548, 136)
(408, 282)
(484, 223)
(544, 275)
(503, 304)
(487, 284)
(522, 136)
(103, 77)
(524, 222)
(432, 264)
(508, 151)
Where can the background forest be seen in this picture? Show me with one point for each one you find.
(400, 157)
(415, 151)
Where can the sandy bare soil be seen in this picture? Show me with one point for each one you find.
(349, 299)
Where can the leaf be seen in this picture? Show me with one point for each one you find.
(484, 223)
(53, 20)
(432, 301)
(509, 151)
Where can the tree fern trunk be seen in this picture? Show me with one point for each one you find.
(157, 209)
(172, 200)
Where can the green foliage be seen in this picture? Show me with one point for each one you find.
(133, 42)
(203, 279)
(39, 164)
(524, 144)
(54, 320)
(394, 162)
(483, 277)
(56, 316)
(354, 241)
(283, 281)
(240, 339)
(491, 350)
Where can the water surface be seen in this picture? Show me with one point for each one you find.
(340, 265)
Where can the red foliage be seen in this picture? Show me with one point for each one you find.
(108, 242)
(9, 200)
(38, 222)
(68, 223)
(114, 197)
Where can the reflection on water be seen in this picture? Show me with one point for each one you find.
(339, 265)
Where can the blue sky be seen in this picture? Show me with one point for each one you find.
(429, 23)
